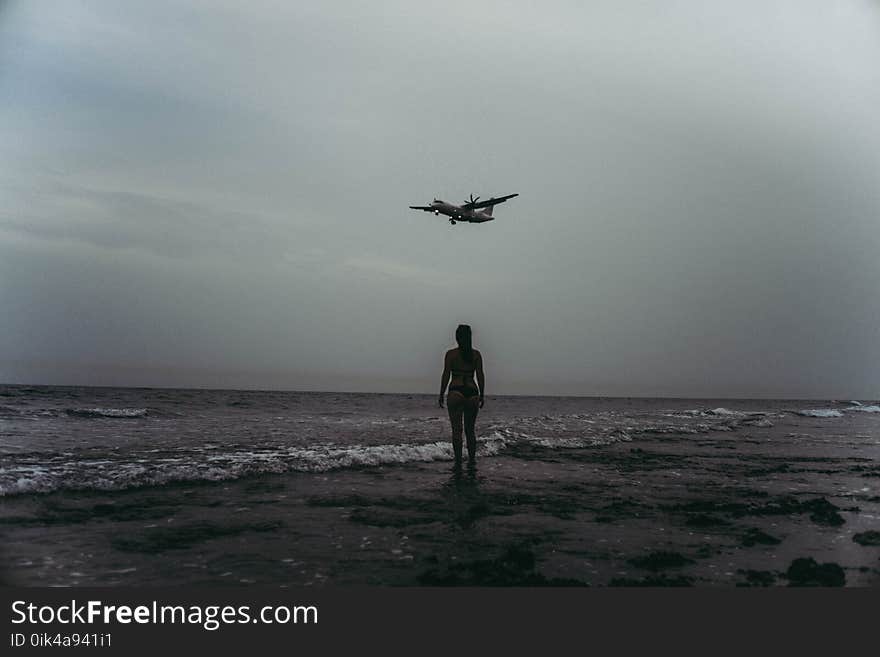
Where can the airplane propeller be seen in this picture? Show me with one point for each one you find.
(473, 200)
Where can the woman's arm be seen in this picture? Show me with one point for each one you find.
(444, 380)
(481, 378)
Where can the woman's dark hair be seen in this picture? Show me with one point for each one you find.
(463, 338)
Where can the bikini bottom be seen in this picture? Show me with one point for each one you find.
(466, 391)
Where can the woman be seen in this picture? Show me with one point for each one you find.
(465, 398)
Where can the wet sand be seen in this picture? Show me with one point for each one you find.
(790, 504)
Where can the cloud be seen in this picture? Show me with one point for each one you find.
(115, 219)
(382, 267)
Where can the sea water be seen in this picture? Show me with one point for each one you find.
(116, 486)
(77, 438)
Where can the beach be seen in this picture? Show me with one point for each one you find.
(701, 495)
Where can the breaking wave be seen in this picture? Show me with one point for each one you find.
(107, 412)
(865, 409)
(819, 412)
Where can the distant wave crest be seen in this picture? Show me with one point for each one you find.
(865, 409)
(107, 412)
(820, 412)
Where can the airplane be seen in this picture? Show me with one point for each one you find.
(471, 211)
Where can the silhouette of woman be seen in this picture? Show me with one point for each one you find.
(465, 398)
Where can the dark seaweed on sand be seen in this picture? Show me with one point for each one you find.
(755, 536)
(806, 572)
(867, 538)
(515, 566)
(821, 510)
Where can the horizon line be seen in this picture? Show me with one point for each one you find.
(372, 392)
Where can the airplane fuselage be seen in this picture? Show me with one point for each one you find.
(456, 213)
(472, 211)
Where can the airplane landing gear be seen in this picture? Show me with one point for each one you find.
(452, 221)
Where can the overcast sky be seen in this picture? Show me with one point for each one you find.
(215, 194)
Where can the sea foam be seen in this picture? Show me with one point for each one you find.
(107, 412)
(865, 409)
(820, 412)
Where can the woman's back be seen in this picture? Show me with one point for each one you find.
(461, 366)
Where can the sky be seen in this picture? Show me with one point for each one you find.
(215, 194)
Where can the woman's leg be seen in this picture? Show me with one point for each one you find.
(471, 408)
(455, 405)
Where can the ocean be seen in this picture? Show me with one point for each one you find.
(105, 486)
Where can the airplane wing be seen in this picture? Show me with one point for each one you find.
(486, 204)
(420, 207)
